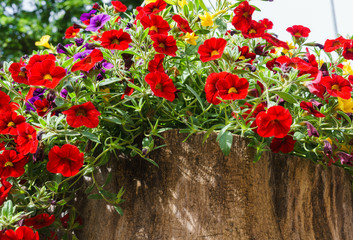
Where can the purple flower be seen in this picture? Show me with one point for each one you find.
(31, 100)
(82, 55)
(345, 158)
(97, 22)
(61, 49)
(86, 16)
(63, 93)
(79, 41)
(39, 92)
(312, 130)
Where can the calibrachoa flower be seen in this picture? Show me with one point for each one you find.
(212, 93)
(4, 102)
(348, 50)
(267, 23)
(19, 72)
(88, 62)
(156, 64)
(245, 54)
(255, 30)
(71, 32)
(40, 221)
(155, 7)
(9, 121)
(46, 74)
(26, 140)
(156, 24)
(212, 49)
(232, 87)
(284, 145)
(308, 106)
(182, 24)
(161, 85)
(190, 38)
(115, 39)
(39, 58)
(12, 164)
(206, 19)
(243, 16)
(345, 105)
(119, 6)
(275, 122)
(332, 45)
(337, 86)
(85, 114)
(274, 41)
(298, 31)
(21, 233)
(164, 44)
(4, 190)
(42, 106)
(97, 22)
(66, 160)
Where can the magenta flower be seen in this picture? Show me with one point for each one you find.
(97, 22)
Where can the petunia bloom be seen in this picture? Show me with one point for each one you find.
(337, 86)
(42, 106)
(9, 121)
(245, 54)
(161, 85)
(97, 22)
(332, 45)
(348, 50)
(299, 31)
(88, 62)
(40, 221)
(267, 23)
(4, 190)
(85, 114)
(156, 64)
(182, 24)
(275, 122)
(19, 72)
(4, 102)
(308, 106)
(154, 7)
(284, 145)
(211, 90)
(39, 58)
(255, 30)
(156, 24)
(243, 16)
(66, 160)
(21, 233)
(46, 74)
(71, 32)
(274, 41)
(115, 39)
(232, 87)
(12, 164)
(119, 6)
(164, 44)
(212, 49)
(26, 140)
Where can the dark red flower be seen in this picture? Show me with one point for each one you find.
(141, 13)
(39, 58)
(26, 139)
(115, 39)
(274, 41)
(308, 106)
(332, 45)
(255, 30)
(42, 106)
(251, 114)
(9, 121)
(156, 24)
(161, 85)
(40, 221)
(275, 122)
(66, 160)
(243, 16)
(12, 164)
(4, 102)
(46, 74)
(85, 114)
(65, 220)
(182, 24)
(164, 44)
(245, 54)
(267, 23)
(348, 50)
(4, 190)
(211, 90)
(299, 31)
(272, 64)
(337, 86)
(21, 233)
(295, 62)
(88, 62)
(119, 6)
(285, 145)
(212, 49)
(232, 87)
(155, 7)
(156, 64)
(19, 72)
(128, 90)
(71, 32)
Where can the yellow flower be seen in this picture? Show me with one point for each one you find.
(182, 3)
(44, 41)
(150, 1)
(345, 105)
(218, 13)
(106, 97)
(206, 19)
(190, 38)
(347, 68)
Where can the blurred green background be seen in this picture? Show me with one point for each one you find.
(23, 22)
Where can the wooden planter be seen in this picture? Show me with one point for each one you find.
(198, 193)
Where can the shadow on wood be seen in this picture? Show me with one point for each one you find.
(198, 193)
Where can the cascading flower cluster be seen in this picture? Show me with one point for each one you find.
(172, 64)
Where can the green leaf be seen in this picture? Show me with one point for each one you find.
(197, 97)
(151, 161)
(67, 63)
(348, 119)
(209, 131)
(286, 96)
(59, 101)
(225, 142)
(95, 196)
(89, 189)
(202, 31)
(119, 210)
(135, 87)
(223, 130)
(52, 185)
(91, 136)
(202, 5)
(113, 120)
(109, 81)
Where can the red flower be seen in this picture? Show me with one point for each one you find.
(348, 50)
(42, 106)
(275, 122)
(46, 74)
(128, 90)
(161, 85)
(211, 89)
(4, 102)
(259, 108)
(65, 220)
(26, 139)
(245, 54)
(4, 191)
(212, 49)
(71, 32)
(267, 23)
(155, 7)
(274, 41)
(299, 31)
(39, 58)
(164, 44)
(141, 14)
(66, 160)
(21, 233)
(295, 62)
(332, 45)
(232, 87)
(40, 221)
(156, 64)
(285, 145)
(19, 72)
(255, 30)
(119, 6)
(82, 115)
(272, 64)
(156, 24)
(337, 86)
(308, 106)
(9, 121)
(242, 18)
(12, 164)
(116, 39)
(182, 24)
(88, 62)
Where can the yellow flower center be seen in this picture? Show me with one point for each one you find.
(44, 109)
(232, 90)
(48, 77)
(214, 52)
(161, 45)
(154, 28)
(159, 86)
(81, 112)
(246, 14)
(252, 31)
(29, 137)
(297, 34)
(336, 87)
(155, 9)
(21, 74)
(115, 41)
(11, 124)
(241, 58)
(8, 164)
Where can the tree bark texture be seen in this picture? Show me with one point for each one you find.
(198, 193)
